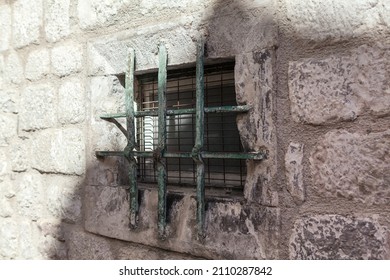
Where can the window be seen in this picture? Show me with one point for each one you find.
(220, 131)
(175, 127)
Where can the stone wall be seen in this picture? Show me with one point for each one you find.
(317, 75)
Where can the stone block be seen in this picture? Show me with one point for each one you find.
(38, 104)
(353, 165)
(63, 198)
(2, 72)
(7, 188)
(8, 129)
(338, 237)
(30, 195)
(341, 87)
(9, 233)
(72, 104)
(27, 22)
(67, 59)
(86, 246)
(21, 155)
(294, 171)
(57, 21)
(95, 13)
(38, 64)
(13, 69)
(5, 27)
(51, 242)
(3, 164)
(318, 20)
(6, 209)
(59, 151)
(28, 240)
(9, 99)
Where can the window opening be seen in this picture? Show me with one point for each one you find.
(221, 133)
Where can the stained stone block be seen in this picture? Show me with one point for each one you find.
(338, 237)
(341, 87)
(294, 171)
(354, 166)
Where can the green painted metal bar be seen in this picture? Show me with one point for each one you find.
(161, 171)
(199, 140)
(129, 102)
(142, 154)
(118, 125)
(220, 109)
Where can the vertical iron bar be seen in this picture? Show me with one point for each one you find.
(199, 139)
(129, 100)
(162, 110)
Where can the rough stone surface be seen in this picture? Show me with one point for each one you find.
(71, 102)
(64, 198)
(8, 129)
(338, 237)
(30, 192)
(13, 69)
(9, 101)
(3, 164)
(67, 59)
(38, 64)
(340, 88)
(21, 155)
(57, 21)
(27, 21)
(86, 246)
(5, 27)
(294, 171)
(38, 107)
(95, 13)
(59, 151)
(319, 20)
(2, 70)
(353, 166)
(28, 235)
(9, 239)
(233, 230)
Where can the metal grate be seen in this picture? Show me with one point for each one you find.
(221, 133)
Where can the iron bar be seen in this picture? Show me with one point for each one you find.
(129, 102)
(199, 140)
(161, 170)
(218, 109)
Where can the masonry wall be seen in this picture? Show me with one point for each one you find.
(315, 72)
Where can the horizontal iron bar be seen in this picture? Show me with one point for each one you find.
(219, 109)
(217, 155)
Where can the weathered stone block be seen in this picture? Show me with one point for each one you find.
(3, 164)
(9, 99)
(38, 64)
(353, 166)
(28, 240)
(338, 237)
(13, 69)
(38, 105)
(71, 102)
(9, 239)
(6, 209)
(27, 21)
(8, 128)
(2, 70)
(21, 155)
(63, 198)
(341, 88)
(59, 151)
(57, 21)
(67, 59)
(294, 171)
(95, 13)
(85, 246)
(319, 20)
(30, 192)
(5, 27)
